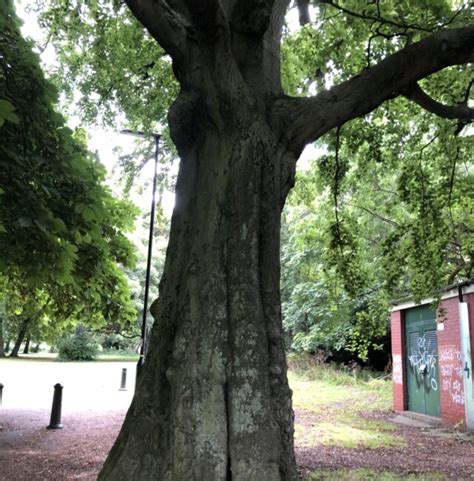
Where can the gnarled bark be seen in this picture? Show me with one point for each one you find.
(214, 385)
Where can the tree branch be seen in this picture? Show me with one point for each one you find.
(461, 112)
(303, 12)
(304, 120)
(375, 214)
(468, 91)
(387, 21)
(377, 18)
(466, 266)
(256, 27)
(165, 24)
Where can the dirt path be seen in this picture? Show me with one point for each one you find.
(434, 449)
(29, 452)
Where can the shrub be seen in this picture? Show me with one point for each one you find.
(115, 343)
(79, 347)
(314, 368)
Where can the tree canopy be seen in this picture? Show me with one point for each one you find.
(62, 233)
(397, 189)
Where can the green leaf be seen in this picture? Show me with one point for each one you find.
(58, 225)
(25, 222)
(7, 112)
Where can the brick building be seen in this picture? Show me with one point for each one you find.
(432, 360)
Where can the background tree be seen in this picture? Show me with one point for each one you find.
(130, 334)
(399, 210)
(62, 233)
(213, 401)
(2, 328)
(318, 311)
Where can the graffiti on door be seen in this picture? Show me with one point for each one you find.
(423, 360)
(451, 372)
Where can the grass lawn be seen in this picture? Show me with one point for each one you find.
(337, 398)
(344, 415)
(50, 356)
(118, 357)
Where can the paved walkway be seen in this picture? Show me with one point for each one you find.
(29, 385)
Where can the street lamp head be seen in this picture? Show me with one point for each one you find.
(141, 134)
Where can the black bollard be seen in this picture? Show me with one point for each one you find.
(123, 382)
(55, 422)
(1, 393)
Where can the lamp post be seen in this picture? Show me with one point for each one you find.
(157, 137)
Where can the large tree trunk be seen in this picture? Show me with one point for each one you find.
(21, 335)
(213, 401)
